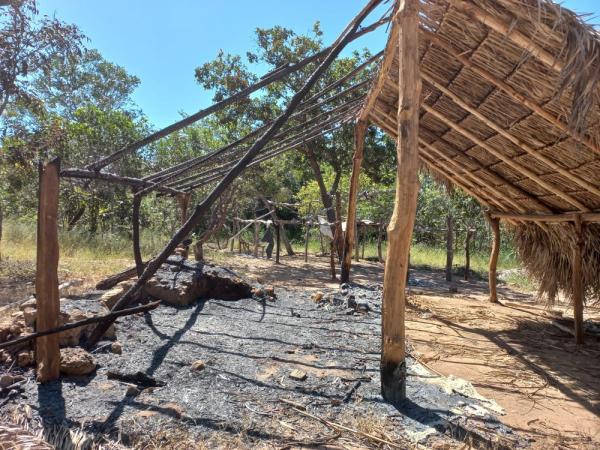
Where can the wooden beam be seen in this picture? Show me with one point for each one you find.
(510, 91)
(512, 138)
(495, 226)
(393, 364)
(507, 160)
(508, 30)
(550, 218)
(350, 235)
(47, 351)
(578, 280)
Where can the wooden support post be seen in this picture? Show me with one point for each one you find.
(379, 239)
(306, 237)
(277, 226)
(449, 246)
(135, 223)
(495, 225)
(350, 236)
(47, 351)
(578, 287)
(339, 234)
(393, 365)
(356, 242)
(332, 259)
(256, 237)
(468, 254)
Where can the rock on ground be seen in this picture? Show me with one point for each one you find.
(76, 361)
(181, 283)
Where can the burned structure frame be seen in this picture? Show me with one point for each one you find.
(498, 97)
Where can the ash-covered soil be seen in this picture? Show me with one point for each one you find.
(250, 350)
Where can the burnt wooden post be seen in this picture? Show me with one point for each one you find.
(578, 287)
(47, 351)
(495, 225)
(350, 236)
(338, 225)
(468, 254)
(278, 241)
(393, 365)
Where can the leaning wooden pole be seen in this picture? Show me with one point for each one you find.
(236, 170)
(577, 283)
(393, 365)
(495, 225)
(350, 235)
(47, 351)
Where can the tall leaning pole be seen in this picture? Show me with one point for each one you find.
(393, 364)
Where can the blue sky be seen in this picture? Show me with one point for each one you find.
(163, 42)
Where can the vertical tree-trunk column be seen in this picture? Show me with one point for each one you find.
(468, 254)
(184, 202)
(495, 225)
(578, 287)
(393, 365)
(449, 246)
(1, 220)
(350, 236)
(47, 352)
(135, 223)
(339, 234)
(256, 232)
(277, 241)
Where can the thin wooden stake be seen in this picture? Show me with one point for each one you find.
(47, 351)
(468, 254)
(393, 365)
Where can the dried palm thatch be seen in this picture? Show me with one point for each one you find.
(511, 114)
(13, 437)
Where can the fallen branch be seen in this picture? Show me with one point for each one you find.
(115, 279)
(81, 323)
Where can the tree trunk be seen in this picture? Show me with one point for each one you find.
(379, 243)
(325, 195)
(393, 365)
(351, 236)
(47, 351)
(495, 225)
(278, 241)
(449, 246)
(76, 217)
(1, 223)
(339, 240)
(275, 219)
(468, 254)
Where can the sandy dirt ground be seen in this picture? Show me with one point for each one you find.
(511, 352)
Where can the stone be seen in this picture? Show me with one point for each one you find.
(116, 348)
(317, 297)
(31, 303)
(362, 307)
(6, 380)
(110, 297)
(29, 315)
(195, 281)
(132, 390)
(25, 359)
(198, 365)
(75, 361)
(351, 301)
(270, 291)
(298, 375)
(258, 292)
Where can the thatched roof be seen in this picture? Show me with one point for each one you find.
(510, 114)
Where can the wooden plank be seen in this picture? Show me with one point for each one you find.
(393, 364)
(47, 351)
